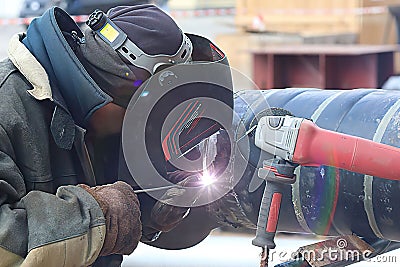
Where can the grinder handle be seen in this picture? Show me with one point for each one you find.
(268, 215)
(316, 146)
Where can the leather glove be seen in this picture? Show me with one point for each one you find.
(121, 210)
(165, 217)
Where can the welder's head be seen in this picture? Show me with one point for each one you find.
(128, 45)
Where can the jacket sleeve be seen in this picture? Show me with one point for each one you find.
(42, 229)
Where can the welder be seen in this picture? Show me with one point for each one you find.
(63, 98)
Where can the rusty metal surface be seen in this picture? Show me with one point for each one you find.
(264, 257)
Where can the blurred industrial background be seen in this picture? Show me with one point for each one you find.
(252, 32)
(343, 44)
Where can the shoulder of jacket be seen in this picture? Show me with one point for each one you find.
(13, 84)
(6, 69)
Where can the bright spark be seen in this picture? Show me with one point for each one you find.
(207, 179)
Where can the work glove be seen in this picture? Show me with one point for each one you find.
(121, 210)
(165, 217)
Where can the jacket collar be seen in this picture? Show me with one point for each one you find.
(27, 64)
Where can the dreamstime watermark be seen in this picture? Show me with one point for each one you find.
(338, 253)
(384, 259)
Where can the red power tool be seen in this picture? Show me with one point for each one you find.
(297, 141)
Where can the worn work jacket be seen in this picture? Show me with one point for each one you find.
(42, 223)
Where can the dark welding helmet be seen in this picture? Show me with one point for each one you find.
(171, 113)
(178, 107)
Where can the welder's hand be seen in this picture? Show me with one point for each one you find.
(165, 217)
(121, 210)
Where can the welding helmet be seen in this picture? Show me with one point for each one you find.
(181, 105)
(168, 116)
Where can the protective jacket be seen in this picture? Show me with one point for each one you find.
(46, 98)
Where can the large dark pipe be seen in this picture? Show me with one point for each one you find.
(327, 200)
